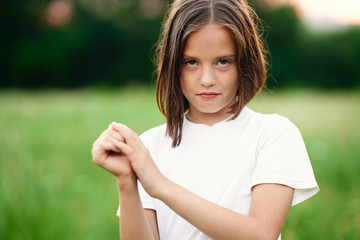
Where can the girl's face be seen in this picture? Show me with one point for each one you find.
(209, 77)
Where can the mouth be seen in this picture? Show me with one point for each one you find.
(208, 95)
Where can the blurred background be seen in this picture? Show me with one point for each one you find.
(77, 43)
(70, 67)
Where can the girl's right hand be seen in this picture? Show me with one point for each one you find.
(106, 155)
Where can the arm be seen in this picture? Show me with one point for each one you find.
(134, 223)
(269, 208)
(270, 202)
(133, 219)
(151, 217)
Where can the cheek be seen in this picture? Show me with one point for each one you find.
(185, 81)
(232, 81)
(183, 86)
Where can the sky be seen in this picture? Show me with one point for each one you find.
(341, 12)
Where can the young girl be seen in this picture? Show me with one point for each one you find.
(216, 169)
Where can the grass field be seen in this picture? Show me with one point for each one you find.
(50, 189)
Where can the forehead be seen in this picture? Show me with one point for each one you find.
(212, 39)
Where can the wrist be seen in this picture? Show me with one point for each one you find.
(164, 188)
(127, 181)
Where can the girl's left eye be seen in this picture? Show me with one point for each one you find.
(223, 62)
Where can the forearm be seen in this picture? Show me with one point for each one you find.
(215, 221)
(269, 208)
(133, 222)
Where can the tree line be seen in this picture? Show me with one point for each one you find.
(94, 46)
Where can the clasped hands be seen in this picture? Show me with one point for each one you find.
(120, 151)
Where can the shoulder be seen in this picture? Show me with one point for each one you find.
(281, 156)
(276, 132)
(268, 122)
(272, 130)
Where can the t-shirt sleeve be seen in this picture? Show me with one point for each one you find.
(282, 158)
(147, 201)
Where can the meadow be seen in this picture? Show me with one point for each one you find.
(50, 189)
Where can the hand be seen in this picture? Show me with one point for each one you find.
(141, 161)
(108, 156)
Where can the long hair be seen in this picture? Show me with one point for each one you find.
(188, 16)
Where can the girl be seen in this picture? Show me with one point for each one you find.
(216, 169)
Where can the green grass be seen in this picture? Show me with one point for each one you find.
(50, 189)
(330, 125)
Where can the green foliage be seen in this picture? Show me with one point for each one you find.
(111, 43)
(283, 40)
(335, 58)
(50, 189)
(85, 51)
(300, 57)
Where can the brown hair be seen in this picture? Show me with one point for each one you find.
(186, 17)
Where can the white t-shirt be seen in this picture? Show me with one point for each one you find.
(222, 163)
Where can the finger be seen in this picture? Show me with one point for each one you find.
(124, 148)
(100, 151)
(110, 125)
(112, 133)
(119, 127)
(130, 136)
(105, 147)
(115, 126)
(101, 142)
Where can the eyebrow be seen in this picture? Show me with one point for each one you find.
(219, 57)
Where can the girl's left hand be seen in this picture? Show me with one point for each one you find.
(142, 163)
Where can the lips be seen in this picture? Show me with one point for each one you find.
(208, 95)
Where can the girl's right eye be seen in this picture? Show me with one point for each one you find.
(190, 63)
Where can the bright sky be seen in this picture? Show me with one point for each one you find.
(339, 11)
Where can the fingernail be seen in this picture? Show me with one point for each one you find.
(114, 126)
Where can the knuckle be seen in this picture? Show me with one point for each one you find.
(95, 148)
(95, 144)
(102, 145)
(125, 128)
(133, 153)
(97, 163)
(95, 160)
(104, 132)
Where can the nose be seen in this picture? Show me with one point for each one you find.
(207, 77)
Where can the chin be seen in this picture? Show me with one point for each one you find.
(209, 110)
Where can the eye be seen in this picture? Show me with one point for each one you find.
(191, 63)
(223, 62)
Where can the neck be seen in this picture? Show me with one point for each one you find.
(207, 118)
